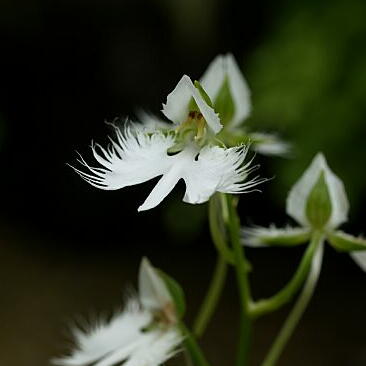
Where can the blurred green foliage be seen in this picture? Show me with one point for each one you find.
(308, 80)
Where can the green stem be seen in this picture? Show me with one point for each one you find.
(192, 347)
(242, 282)
(245, 334)
(212, 297)
(216, 215)
(299, 307)
(273, 303)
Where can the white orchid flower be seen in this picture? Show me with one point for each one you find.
(144, 334)
(187, 152)
(225, 84)
(318, 202)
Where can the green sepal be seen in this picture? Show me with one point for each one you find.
(286, 240)
(344, 242)
(203, 93)
(224, 103)
(233, 139)
(176, 292)
(319, 205)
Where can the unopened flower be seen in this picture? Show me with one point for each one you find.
(144, 334)
(187, 150)
(225, 84)
(318, 202)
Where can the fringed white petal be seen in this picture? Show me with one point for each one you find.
(263, 236)
(269, 144)
(122, 333)
(217, 169)
(153, 292)
(212, 80)
(177, 105)
(119, 356)
(135, 157)
(161, 347)
(299, 193)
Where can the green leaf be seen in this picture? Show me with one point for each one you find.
(318, 205)
(224, 103)
(176, 292)
(344, 242)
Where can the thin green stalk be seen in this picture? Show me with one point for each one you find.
(216, 217)
(299, 307)
(212, 297)
(273, 303)
(216, 222)
(243, 284)
(192, 347)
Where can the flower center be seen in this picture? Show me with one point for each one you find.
(162, 318)
(193, 129)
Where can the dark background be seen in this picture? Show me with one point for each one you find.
(69, 250)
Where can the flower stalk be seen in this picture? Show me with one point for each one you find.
(241, 270)
(300, 305)
(265, 306)
(212, 297)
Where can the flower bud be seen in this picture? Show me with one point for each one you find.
(318, 199)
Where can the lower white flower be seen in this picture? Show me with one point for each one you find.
(138, 156)
(144, 334)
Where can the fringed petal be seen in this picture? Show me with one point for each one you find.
(123, 334)
(273, 236)
(134, 157)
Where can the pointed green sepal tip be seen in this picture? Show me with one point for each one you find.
(176, 293)
(224, 103)
(344, 242)
(319, 205)
(203, 93)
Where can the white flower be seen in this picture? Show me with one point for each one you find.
(187, 153)
(298, 198)
(317, 201)
(144, 334)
